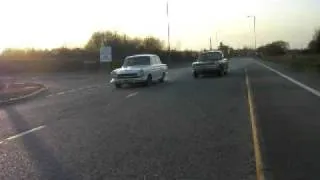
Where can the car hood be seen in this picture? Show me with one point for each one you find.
(129, 69)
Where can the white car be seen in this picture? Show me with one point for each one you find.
(142, 68)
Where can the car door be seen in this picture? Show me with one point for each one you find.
(160, 66)
(163, 67)
(154, 67)
(224, 62)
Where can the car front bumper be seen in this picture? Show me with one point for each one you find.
(128, 80)
(206, 69)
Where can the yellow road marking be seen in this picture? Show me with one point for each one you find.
(256, 143)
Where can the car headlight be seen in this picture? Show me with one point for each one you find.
(141, 73)
(113, 74)
(194, 65)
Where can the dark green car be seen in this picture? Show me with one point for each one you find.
(210, 62)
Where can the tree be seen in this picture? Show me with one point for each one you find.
(122, 42)
(314, 44)
(274, 48)
(152, 44)
(95, 41)
(227, 50)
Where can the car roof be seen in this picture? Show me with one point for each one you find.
(139, 55)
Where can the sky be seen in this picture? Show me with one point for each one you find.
(55, 23)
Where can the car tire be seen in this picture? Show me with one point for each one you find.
(162, 77)
(118, 85)
(226, 71)
(221, 72)
(149, 80)
(195, 75)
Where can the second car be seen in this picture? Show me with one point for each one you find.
(210, 62)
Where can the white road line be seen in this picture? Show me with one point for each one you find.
(92, 87)
(132, 94)
(60, 93)
(22, 134)
(50, 95)
(71, 91)
(311, 90)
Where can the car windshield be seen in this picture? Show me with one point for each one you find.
(137, 61)
(210, 56)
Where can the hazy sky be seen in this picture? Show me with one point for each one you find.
(53, 23)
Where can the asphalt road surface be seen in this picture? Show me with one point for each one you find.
(184, 129)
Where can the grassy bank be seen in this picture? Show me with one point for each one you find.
(307, 63)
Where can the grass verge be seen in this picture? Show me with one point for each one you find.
(306, 63)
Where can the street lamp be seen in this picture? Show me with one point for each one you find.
(217, 38)
(169, 50)
(254, 29)
(217, 41)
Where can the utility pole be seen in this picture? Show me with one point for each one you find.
(169, 49)
(254, 30)
(217, 39)
(255, 35)
(210, 44)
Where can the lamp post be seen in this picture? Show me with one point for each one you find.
(169, 50)
(254, 30)
(217, 39)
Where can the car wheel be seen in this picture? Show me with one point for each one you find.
(149, 80)
(226, 71)
(117, 85)
(195, 75)
(162, 77)
(221, 72)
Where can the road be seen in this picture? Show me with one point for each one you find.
(184, 129)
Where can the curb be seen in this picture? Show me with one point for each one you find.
(28, 96)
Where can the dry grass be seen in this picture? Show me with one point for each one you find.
(298, 62)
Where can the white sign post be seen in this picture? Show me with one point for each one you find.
(105, 54)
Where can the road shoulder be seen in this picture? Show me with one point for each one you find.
(287, 116)
(308, 78)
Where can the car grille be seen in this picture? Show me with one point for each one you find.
(128, 75)
(207, 66)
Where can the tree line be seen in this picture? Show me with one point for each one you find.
(282, 47)
(74, 59)
(124, 45)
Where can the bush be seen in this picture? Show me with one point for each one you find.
(314, 44)
(275, 48)
(298, 62)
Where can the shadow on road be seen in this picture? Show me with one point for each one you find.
(204, 76)
(142, 86)
(41, 154)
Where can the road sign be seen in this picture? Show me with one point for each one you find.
(106, 54)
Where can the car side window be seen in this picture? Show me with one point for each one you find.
(154, 60)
